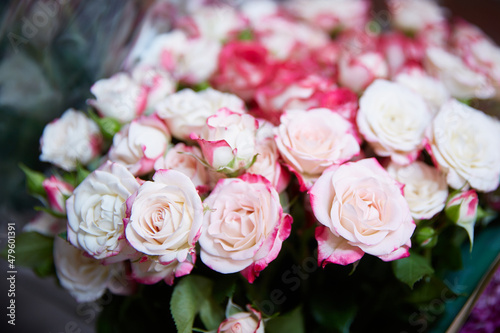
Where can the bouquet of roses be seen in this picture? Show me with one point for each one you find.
(248, 153)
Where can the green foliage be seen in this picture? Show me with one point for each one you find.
(108, 126)
(34, 180)
(411, 269)
(291, 322)
(193, 296)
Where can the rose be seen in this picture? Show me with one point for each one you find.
(243, 67)
(330, 15)
(97, 208)
(155, 83)
(430, 89)
(267, 164)
(186, 111)
(70, 140)
(362, 210)
(461, 81)
(185, 159)
(213, 22)
(410, 15)
(478, 52)
(464, 144)
(228, 141)
(244, 226)
(164, 217)
(357, 71)
(190, 60)
(119, 97)
(243, 322)
(86, 278)
(57, 192)
(393, 119)
(426, 190)
(150, 271)
(139, 144)
(461, 209)
(311, 141)
(400, 51)
(46, 224)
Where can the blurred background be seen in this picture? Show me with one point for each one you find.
(51, 52)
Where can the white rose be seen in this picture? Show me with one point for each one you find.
(156, 83)
(430, 89)
(393, 119)
(185, 159)
(464, 144)
(86, 278)
(243, 322)
(165, 217)
(97, 208)
(186, 111)
(461, 81)
(192, 60)
(216, 22)
(228, 140)
(415, 15)
(332, 14)
(119, 97)
(139, 144)
(311, 141)
(426, 190)
(70, 140)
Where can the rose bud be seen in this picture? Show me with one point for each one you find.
(461, 209)
(57, 193)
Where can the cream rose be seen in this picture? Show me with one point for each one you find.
(165, 217)
(393, 119)
(186, 111)
(70, 140)
(243, 322)
(362, 210)
(244, 226)
(139, 144)
(311, 141)
(97, 208)
(426, 190)
(464, 144)
(86, 278)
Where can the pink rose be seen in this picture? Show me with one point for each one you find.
(362, 210)
(57, 192)
(243, 322)
(244, 66)
(164, 217)
(357, 71)
(244, 226)
(155, 83)
(311, 141)
(139, 144)
(461, 209)
(228, 140)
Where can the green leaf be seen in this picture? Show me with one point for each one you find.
(291, 322)
(108, 126)
(211, 314)
(81, 174)
(430, 289)
(34, 180)
(188, 298)
(411, 269)
(34, 250)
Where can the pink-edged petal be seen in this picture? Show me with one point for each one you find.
(336, 250)
(399, 253)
